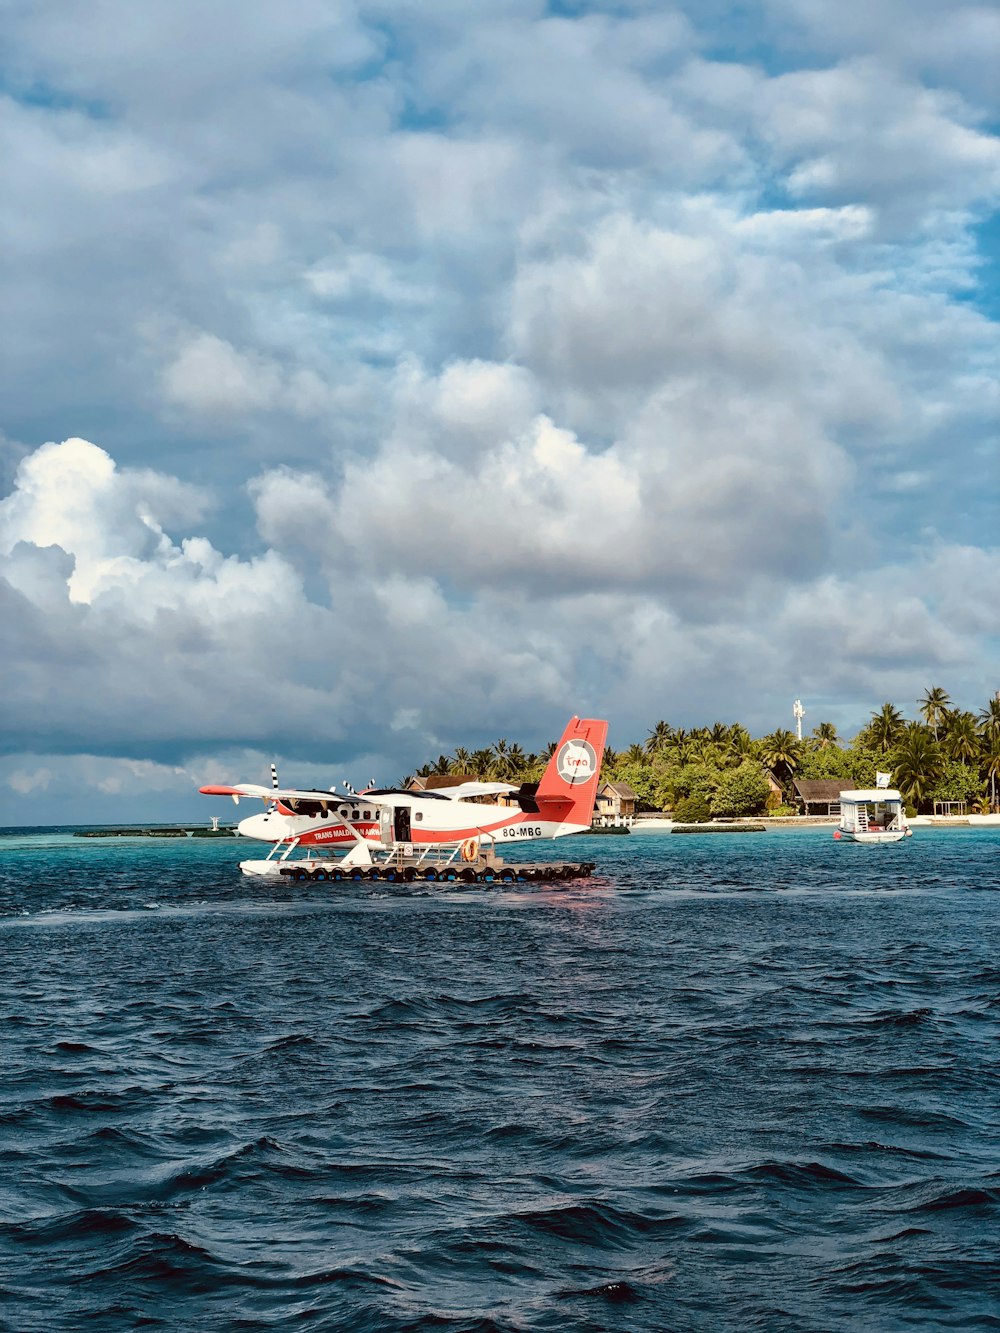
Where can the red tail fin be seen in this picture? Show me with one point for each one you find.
(569, 784)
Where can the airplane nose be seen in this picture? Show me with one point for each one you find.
(256, 826)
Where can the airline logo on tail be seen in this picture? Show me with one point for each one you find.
(576, 761)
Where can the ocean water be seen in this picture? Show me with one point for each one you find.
(730, 1083)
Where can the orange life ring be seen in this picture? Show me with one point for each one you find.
(470, 849)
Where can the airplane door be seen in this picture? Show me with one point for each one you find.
(385, 825)
(401, 823)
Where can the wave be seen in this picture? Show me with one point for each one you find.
(912, 1117)
(617, 1290)
(166, 1258)
(83, 1224)
(597, 1223)
(967, 1197)
(799, 1175)
(899, 1018)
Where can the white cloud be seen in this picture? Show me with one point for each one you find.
(208, 377)
(955, 43)
(190, 644)
(72, 496)
(599, 360)
(25, 783)
(857, 132)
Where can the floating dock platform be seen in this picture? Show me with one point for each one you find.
(545, 872)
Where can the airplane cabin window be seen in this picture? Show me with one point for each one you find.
(418, 816)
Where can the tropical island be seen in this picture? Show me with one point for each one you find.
(945, 754)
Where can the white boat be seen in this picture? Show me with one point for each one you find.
(873, 814)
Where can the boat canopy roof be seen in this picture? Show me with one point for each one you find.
(865, 794)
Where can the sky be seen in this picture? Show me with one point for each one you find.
(383, 377)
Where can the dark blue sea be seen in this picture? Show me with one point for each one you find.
(730, 1083)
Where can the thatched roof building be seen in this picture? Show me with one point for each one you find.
(821, 796)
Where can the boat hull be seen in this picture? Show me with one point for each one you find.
(855, 835)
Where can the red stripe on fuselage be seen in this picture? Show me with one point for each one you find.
(320, 833)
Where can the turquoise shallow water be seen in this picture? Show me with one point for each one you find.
(734, 1082)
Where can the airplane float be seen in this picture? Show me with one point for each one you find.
(422, 834)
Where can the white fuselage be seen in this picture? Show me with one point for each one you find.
(419, 820)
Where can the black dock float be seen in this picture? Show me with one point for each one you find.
(544, 872)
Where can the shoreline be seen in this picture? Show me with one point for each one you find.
(663, 823)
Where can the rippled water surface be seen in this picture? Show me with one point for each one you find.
(730, 1083)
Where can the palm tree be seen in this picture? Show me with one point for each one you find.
(824, 734)
(461, 760)
(989, 721)
(500, 767)
(516, 760)
(741, 743)
(610, 757)
(962, 740)
(886, 727)
(441, 765)
(781, 751)
(918, 763)
(481, 761)
(684, 751)
(933, 707)
(992, 766)
(658, 737)
(635, 753)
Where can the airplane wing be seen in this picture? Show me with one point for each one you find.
(243, 789)
(466, 789)
(255, 791)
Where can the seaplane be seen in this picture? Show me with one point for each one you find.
(453, 833)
